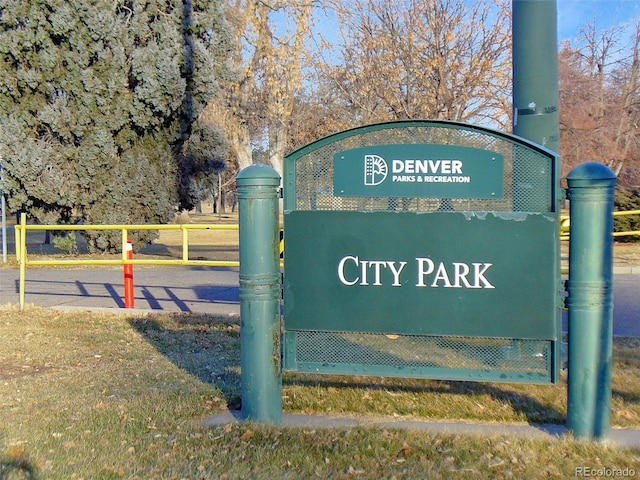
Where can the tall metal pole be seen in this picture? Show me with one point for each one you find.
(535, 72)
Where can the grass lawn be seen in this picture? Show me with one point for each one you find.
(101, 396)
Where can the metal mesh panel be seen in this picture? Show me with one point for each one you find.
(419, 353)
(527, 173)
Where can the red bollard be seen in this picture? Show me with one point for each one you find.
(128, 278)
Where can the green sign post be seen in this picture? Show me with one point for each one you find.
(423, 249)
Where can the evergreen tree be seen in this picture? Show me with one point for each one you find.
(98, 100)
(627, 199)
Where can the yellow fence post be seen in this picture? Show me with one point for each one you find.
(185, 243)
(23, 257)
(124, 244)
(16, 232)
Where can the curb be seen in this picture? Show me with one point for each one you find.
(225, 311)
(621, 438)
(630, 270)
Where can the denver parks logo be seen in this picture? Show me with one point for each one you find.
(418, 171)
(413, 170)
(375, 170)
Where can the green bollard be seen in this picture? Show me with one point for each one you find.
(260, 294)
(590, 300)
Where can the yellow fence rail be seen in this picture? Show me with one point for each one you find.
(22, 229)
(22, 254)
(565, 225)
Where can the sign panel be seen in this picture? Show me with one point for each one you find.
(441, 273)
(419, 170)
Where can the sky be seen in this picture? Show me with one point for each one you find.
(572, 16)
(575, 14)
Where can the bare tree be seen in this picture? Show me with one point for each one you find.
(256, 107)
(627, 139)
(439, 59)
(600, 100)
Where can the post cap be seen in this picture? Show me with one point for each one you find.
(258, 174)
(591, 174)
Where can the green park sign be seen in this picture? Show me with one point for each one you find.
(429, 274)
(426, 249)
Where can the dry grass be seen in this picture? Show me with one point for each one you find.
(109, 396)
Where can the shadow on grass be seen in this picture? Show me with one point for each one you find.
(14, 464)
(17, 468)
(441, 354)
(534, 411)
(628, 398)
(626, 357)
(206, 346)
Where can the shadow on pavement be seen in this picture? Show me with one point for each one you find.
(148, 295)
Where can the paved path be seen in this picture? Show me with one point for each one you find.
(622, 438)
(626, 306)
(172, 289)
(204, 290)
